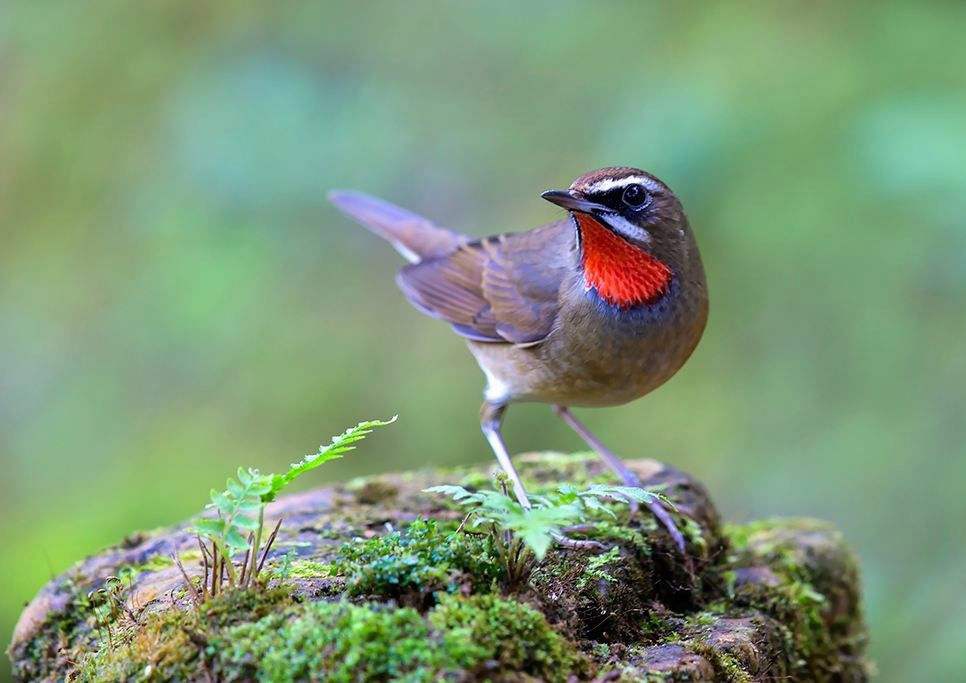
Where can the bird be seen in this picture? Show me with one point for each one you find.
(596, 309)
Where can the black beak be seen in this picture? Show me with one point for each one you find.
(570, 201)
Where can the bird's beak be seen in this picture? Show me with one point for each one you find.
(569, 200)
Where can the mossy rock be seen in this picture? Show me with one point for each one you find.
(371, 581)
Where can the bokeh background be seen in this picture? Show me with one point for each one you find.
(177, 298)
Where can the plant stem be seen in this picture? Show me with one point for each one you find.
(229, 565)
(252, 573)
(204, 580)
(195, 598)
(268, 546)
(215, 569)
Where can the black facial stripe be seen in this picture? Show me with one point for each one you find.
(614, 199)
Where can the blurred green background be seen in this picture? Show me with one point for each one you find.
(177, 297)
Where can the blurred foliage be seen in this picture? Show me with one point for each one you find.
(177, 297)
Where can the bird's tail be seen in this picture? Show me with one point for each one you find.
(413, 236)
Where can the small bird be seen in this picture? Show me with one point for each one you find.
(597, 309)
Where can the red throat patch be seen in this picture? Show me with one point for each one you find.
(622, 274)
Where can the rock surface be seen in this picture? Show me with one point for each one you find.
(361, 587)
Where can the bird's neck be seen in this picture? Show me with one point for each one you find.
(622, 274)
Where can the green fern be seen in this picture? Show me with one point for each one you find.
(538, 526)
(339, 446)
(237, 507)
(238, 523)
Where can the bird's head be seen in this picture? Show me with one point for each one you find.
(628, 201)
(633, 232)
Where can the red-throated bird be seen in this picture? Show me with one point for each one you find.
(597, 309)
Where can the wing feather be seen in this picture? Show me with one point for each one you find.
(500, 289)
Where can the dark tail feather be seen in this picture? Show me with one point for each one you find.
(413, 236)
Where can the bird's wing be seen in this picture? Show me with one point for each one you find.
(499, 289)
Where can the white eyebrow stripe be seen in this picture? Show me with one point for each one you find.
(610, 183)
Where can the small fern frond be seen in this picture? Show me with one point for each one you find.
(335, 449)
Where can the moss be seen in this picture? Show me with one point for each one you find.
(237, 606)
(515, 636)
(475, 480)
(167, 646)
(173, 645)
(816, 576)
(413, 564)
(727, 668)
(781, 603)
(596, 569)
(629, 536)
(473, 637)
(595, 597)
(310, 569)
(153, 564)
(43, 656)
(546, 471)
(372, 491)
(337, 641)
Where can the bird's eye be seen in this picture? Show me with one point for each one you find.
(634, 196)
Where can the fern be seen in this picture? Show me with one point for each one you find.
(339, 446)
(237, 506)
(538, 526)
(238, 523)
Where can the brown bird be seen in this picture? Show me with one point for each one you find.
(597, 309)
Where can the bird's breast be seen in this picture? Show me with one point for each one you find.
(622, 274)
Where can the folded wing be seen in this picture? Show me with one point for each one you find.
(499, 289)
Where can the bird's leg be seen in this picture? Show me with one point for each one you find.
(491, 422)
(626, 475)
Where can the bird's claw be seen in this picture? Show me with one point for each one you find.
(579, 544)
(660, 512)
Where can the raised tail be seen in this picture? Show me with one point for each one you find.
(413, 236)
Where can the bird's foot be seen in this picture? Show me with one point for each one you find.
(659, 511)
(580, 544)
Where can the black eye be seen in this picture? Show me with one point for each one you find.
(634, 196)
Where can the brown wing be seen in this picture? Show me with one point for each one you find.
(499, 289)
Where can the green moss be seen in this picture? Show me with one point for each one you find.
(414, 563)
(311, 569)
(372, 490)
(153, 564)
(237, 606)
(808, 558)
(631, 537)
(596, 569)
(475, 479)
(546, 471)
(337, 641)
(167, 646)
(727, 668)
(42, 656)
(515, 636)
(345, 642)
(265, 636)
(174, 645)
